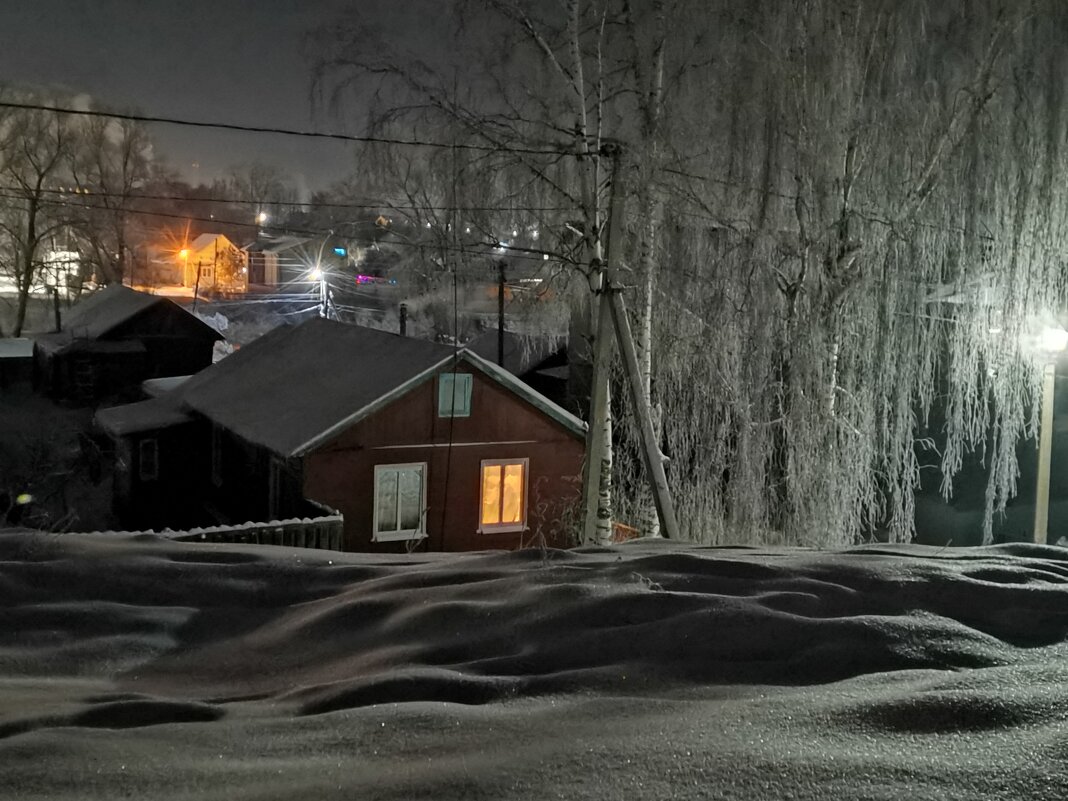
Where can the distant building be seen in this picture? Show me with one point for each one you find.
(418, 445)
(292, 261)
(212, 263)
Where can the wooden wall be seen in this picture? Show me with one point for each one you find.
(501, 426)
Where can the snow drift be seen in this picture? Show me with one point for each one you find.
(172, 670)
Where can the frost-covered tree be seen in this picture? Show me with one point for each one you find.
(809, 184)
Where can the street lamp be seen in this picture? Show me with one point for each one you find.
(1051, 342)
(261, 218)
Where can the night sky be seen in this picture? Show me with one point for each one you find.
(243, 61)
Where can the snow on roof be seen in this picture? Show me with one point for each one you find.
(294, 384)
(650, 670)
(277, 244)
(132, 418)
(204, 240)
(98, 314)
(107, 309)
(157, 387)
(16, 348)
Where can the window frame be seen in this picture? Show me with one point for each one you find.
(400, 535)
(468, 383)
(143, 445)
(503, 528)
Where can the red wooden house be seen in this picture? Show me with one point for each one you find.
(417, 444)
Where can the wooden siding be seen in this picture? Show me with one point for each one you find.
(340, 474)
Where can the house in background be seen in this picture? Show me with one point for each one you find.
(116, 338)
(283, 261)
(418, 445)
(212, 263)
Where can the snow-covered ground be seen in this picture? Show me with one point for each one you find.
(142, 668)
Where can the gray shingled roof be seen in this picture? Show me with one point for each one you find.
(107, 309)
(291, 386)
(103, 311)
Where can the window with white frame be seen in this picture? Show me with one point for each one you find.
(454, 395)
(400, 502)
(504, 495)
(148, 459)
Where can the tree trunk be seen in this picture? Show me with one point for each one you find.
(25, 267)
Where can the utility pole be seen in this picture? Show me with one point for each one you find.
(196, 287)
(500, 314)
(612, 313)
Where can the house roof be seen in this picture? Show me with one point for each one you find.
(277, 245)
(16, 348)
(158, 387)
(295, 388)
(288, 388)
(204, 240)
(102, 312)
(149, 415)
(522, 353)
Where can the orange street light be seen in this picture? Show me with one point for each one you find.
(183, 253)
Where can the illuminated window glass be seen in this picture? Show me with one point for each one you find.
(400, 502)
(504, 495)
(454, 395)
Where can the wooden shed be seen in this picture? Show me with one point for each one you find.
(116, 338)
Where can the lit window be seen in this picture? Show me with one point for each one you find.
(148, 460)
(504, 495)
(400, 502)
(454, 395)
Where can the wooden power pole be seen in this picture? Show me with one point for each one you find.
(612, 314)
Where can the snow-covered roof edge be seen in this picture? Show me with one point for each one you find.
(529, 394)
(569, 421)
(373, 406)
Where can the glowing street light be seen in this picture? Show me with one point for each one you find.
(183, 253)
(261, 218)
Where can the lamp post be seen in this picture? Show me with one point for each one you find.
(1052, 341)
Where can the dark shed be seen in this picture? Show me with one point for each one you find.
(116, 338)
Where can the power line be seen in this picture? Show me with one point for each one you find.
(230, 126)
(295, 203)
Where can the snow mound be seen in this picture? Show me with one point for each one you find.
(754, 662)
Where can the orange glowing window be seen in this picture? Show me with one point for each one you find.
(504, 495)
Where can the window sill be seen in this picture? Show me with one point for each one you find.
(503, 529)
(398, 536)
